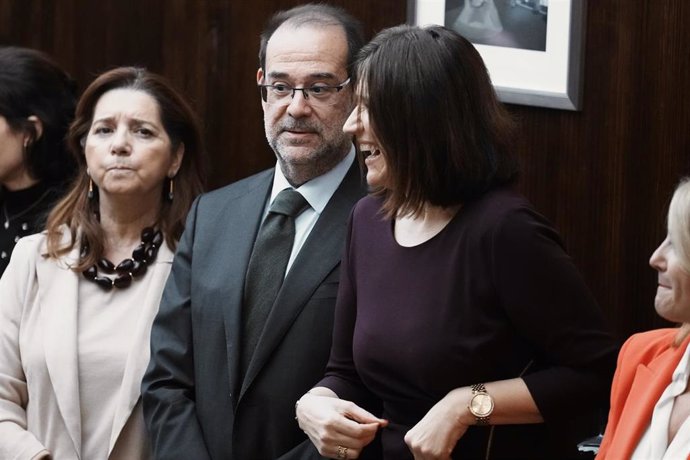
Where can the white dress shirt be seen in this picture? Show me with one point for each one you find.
(654, 442)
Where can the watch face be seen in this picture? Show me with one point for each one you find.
(481, 405)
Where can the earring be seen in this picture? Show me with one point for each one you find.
(171, 189)
(89, 195)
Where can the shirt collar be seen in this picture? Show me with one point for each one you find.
(319, 190)
(682, 371)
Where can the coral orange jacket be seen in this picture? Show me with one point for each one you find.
(645, 366)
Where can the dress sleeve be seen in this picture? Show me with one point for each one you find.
(341, 373)
(549, 304)
(17, 441)
(168, 385)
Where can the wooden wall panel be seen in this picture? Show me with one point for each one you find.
(602, 175)
(605, 174)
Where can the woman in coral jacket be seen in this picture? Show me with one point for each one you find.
(650, 396)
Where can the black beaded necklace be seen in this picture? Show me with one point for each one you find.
(135, 267)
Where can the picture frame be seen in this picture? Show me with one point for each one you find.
(548, 77)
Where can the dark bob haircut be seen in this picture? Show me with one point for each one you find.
(182, 126)
(433, 109)
(31, 84)
(318, 15)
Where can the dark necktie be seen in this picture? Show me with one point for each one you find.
(267, 265)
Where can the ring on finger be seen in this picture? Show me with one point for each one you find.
(342, 452)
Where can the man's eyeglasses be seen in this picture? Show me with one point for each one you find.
(317, 95)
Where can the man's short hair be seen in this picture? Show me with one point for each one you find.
(318, 15)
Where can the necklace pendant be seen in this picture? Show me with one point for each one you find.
(6, 224)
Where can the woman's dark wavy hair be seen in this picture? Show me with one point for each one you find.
(434, 111)
(182, 126)
(31, 83)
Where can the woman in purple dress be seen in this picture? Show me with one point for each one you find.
(462, 328)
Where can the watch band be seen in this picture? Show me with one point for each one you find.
(478, 388)
(482, 421)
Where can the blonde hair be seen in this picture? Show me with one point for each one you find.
(679, 233)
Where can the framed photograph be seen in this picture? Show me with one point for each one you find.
(532, 48)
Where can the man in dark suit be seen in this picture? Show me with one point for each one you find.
(221, 385)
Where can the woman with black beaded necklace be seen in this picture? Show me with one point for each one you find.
(36, 107)
(78, 300)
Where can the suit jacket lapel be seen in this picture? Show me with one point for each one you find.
(646, 389)
(139, 352)
(58, 293)
(327, 240)
(240, 221)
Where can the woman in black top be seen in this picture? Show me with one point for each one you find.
(462, 329)
(36, 107)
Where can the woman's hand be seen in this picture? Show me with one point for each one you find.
(436, 435)
(339, 429)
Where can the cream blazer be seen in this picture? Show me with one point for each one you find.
(39, 392)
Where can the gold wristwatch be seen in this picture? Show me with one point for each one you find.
(482, 404)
